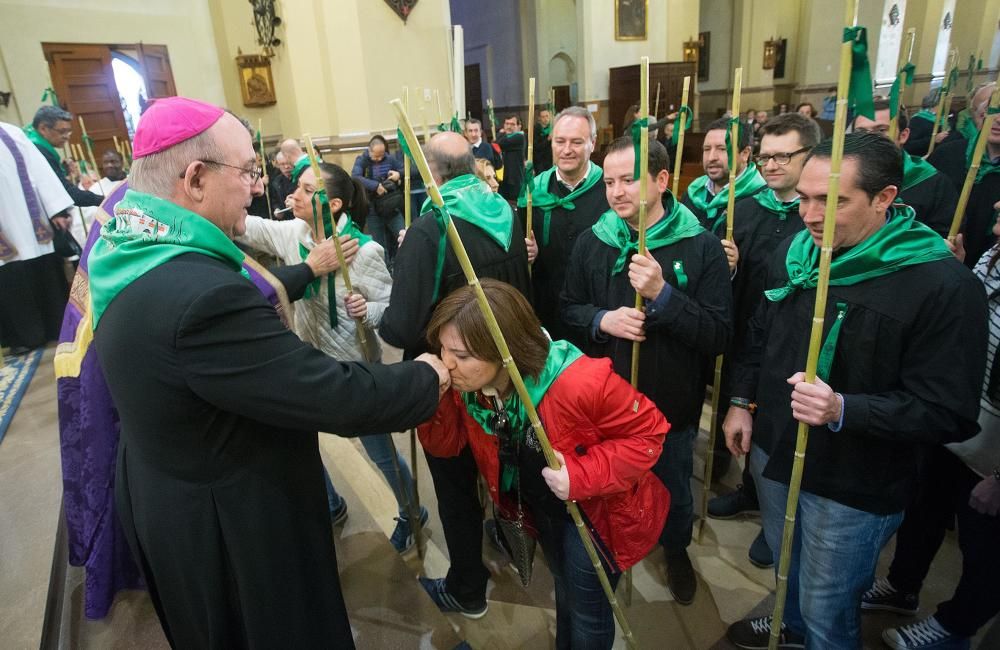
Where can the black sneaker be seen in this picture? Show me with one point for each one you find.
(681, 580)
(733, 504)
(883, 597)
(437, 589)
(760, 553)
(927, 633)
(755, 634)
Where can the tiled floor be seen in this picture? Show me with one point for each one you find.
(388, 610)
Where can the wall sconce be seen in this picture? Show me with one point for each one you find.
(770, 53)
(691, 51)
(5, 98)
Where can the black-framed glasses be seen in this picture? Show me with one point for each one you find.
(254, 173)
(780, 158)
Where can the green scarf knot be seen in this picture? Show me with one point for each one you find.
(747, 183)
(678, 223)
(905, 76)
(901, 242)
(683, 123)
(300, 166)
(49, 95)
(546, 201)
(916, 170)
(859, 95)
(148, 231)
(562, 354)
(526, 179)
(770, 202)
(639, 127)
(471, 200)
(40, 141)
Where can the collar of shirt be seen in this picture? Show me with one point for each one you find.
(477, 143)
(573, 186)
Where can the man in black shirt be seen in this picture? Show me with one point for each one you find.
(924, 189)
(514, 147)
(901, 369)
(480, 147)
(684, 282)
(50, 131)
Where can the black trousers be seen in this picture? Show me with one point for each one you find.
(462, 518)
(947, 484)
(33, 297)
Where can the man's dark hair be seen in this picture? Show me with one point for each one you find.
(379, 138)
(513, 116)
(658, 158)
(112, 152)
(722, 124)
(47, 116)
(806, 127)
(473, 120)
(450, 166)
(883, 105)
(879, 162)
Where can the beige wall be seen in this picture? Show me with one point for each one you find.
(184, 26)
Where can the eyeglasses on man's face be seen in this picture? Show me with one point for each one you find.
(253, 174)
(780, 158)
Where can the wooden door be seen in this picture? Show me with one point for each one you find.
(562, 97)
(155, 63)
(623, 90)
(85, 83)
(474, 95)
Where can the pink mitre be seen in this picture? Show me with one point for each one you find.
(172, 120)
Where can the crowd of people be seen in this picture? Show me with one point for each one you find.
(219, 486)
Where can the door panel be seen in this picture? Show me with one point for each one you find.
(159, 76)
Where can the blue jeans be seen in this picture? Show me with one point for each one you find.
(834, 554)
(379, 449)
(674, 468)
(584, 618)
(385, 231)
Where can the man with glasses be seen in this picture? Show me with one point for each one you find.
(925, 189)
(219, 484)
(50, 131)
(762, 222)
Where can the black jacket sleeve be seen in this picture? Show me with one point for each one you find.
(295, 279)
(412, 297)
(575, 307)
(81, 198)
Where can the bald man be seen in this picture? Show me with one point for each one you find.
(498, 252)
(292, 151)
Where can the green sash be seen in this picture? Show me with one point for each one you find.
(677, 224)
(925, 114)
(37, 138)
(545, 201)
(916, 170)
(148, 231)
(471, 200)
(901, 242)
(770, 202)
(297, 170)
(561, 355)
(748, 182)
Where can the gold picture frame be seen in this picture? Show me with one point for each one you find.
(631, 20)
(256, 82)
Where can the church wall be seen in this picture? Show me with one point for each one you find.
(184, 26)
(492, 32)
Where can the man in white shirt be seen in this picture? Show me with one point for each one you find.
(33, 286)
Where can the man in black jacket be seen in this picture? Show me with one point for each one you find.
(495, 243)
(480, 147)
(925, 189)
(216, 470)
(50, 130)
(901, 369)
(514, 148)
(684, 282)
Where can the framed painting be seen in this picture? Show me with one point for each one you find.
(630, 19)
(256, 83)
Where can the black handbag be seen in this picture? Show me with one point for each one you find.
(65, 245)
(389, 204)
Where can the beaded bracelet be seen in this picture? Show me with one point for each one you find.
(740, 402)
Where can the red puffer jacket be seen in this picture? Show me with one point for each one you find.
(610, 435)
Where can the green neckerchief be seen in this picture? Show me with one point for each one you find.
(966, 126)
(916, 170)
(561, 355)
(349, 228)
(770, 202)
(300, 166)
(925, 114)
(859, 95)
(902, 241)
(748, 182)
(471, 200)
(40, 141)
(678, 223)
(546, 130)
(148, 231)
(545, 201)
(986, 165)
(905, 76)
(683, 123)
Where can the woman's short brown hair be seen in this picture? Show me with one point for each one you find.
(529, 346)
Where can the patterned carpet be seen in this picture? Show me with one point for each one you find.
(15, 375)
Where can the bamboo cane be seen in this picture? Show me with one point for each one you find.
(816, 334)
(528, 164)
(127, 145)
(515, 376)
(407, 201)
(679, 124)
(437, 98)
(713, 425)
(944, 102)
(911, 36)
(977, 158)
(263, 164)
(493, 118)
(656, 103)
(90, 149)
(118, 147)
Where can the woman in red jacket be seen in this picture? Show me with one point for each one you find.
(606, 434)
